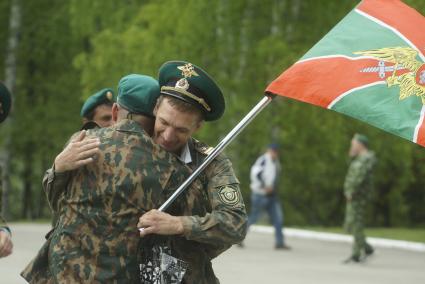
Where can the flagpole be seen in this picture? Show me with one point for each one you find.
(219, 148)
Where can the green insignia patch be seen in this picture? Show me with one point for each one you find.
(229, 195)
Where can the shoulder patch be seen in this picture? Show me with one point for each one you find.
(229, 195)
(207, 150)
(202, 147)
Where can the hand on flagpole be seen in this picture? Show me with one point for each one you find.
(160, 223)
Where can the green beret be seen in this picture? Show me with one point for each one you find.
(362, 139)
(5, 102)
(193, 85)
(104, 96)
(138, 94)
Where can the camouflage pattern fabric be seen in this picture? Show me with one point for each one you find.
(358, 187)
(54, 185)
(214, 217)
(96, 238)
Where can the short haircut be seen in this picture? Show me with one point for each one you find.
(181, 106)
(90, 114)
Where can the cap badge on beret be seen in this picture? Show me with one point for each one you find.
(187, 72)
(109, 95)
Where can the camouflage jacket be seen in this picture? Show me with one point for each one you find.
(213, 210)
(358, 181)
(96, 238)
(54, 185)
(214, 216)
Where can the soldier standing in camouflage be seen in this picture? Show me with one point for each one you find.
(96, 240)
(6, 245)
(211, 218)
(358, 186)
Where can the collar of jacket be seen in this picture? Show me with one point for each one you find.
(198, 151)
(128, 125)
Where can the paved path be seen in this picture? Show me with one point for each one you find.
(310, 261)
(27, 240)
(313, 261)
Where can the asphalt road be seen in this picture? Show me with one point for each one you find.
(309, 261)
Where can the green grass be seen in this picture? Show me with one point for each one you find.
(35, 221)
(406, 234)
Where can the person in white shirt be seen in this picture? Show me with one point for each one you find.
(264, 180)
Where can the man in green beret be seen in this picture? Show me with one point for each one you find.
(6, 245)
(98, 108)
(213, 217)
(96, 238)
(358, 186)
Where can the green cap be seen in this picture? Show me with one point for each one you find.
(362, 139)
(103, 96)
(138, 94)
(5, 102)
(189, 83)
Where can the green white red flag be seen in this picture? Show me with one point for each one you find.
(370, 66)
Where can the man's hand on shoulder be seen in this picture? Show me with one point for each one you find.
(6, 245)
(77, 153)
(157, 222)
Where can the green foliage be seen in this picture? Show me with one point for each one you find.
(70, 49)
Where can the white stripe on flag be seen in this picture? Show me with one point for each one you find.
(337, 99)
(335, 56)
(379, 22)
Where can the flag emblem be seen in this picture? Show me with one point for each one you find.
(411, 77)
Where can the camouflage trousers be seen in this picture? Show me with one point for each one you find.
(354, 224)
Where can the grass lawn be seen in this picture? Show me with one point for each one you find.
(406, 234)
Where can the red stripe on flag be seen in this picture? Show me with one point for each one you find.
(320, 81)
(395, 13)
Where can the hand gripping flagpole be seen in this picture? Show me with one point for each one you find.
(219, 148)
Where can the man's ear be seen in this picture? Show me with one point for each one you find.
(114, 112)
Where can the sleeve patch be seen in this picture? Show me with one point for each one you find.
(229, 195)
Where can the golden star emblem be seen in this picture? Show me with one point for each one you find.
(188, 70)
